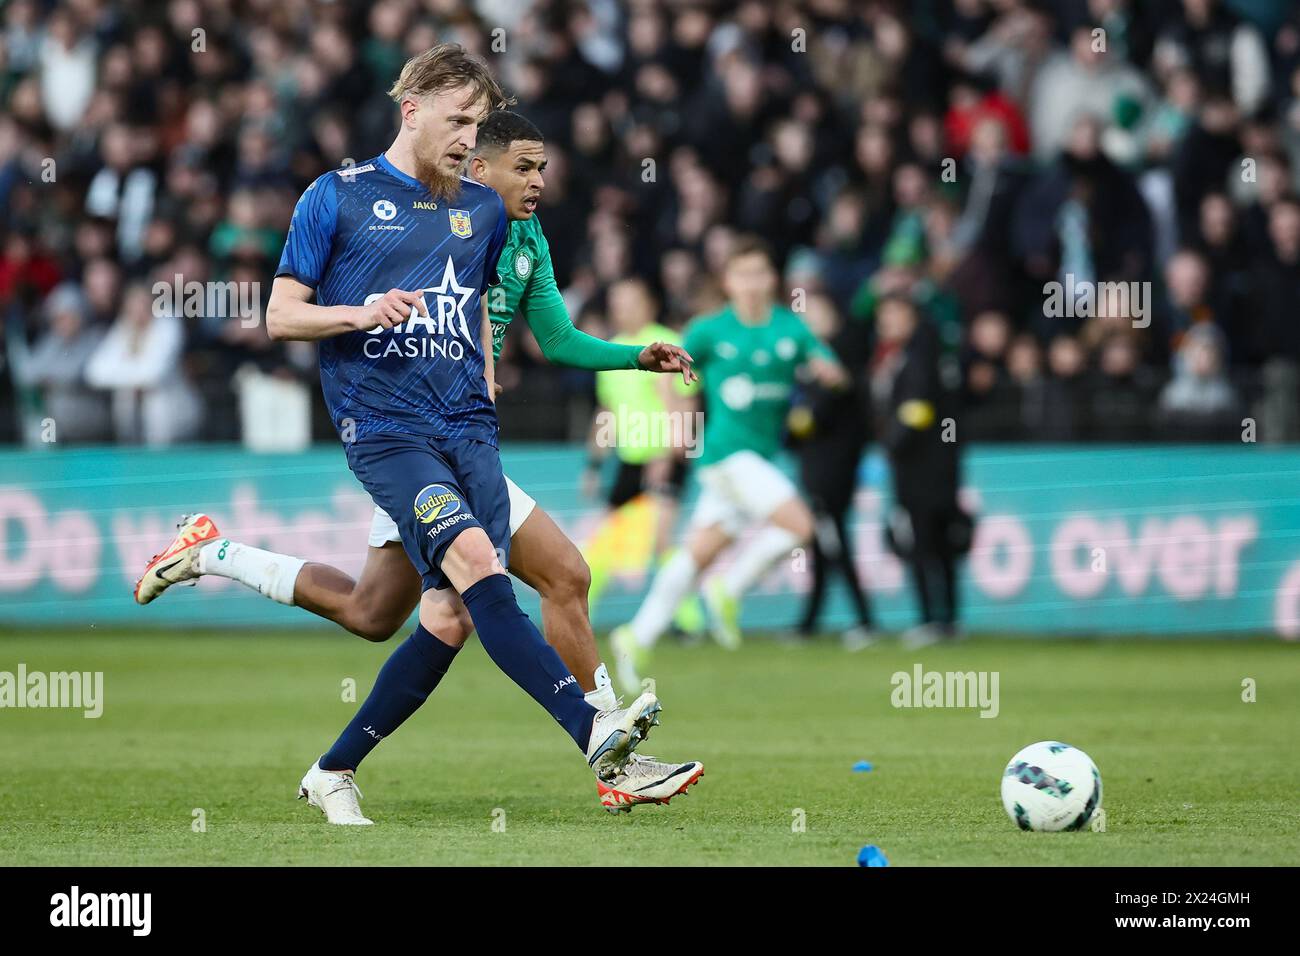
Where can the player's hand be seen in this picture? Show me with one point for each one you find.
(496, 390)
(662, 357)
(391, 309)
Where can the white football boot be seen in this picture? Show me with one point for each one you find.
(179, 563)
(615, 734)
(646, 780)
(333, 794)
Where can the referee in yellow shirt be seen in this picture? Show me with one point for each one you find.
(642, 418)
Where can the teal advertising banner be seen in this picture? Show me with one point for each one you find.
(1107, 540)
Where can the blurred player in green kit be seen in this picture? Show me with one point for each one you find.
(509, 156)
(748, 356)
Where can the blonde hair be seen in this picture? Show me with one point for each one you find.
(444, 67)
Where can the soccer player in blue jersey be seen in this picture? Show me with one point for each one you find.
(396, 254)
(510, 157)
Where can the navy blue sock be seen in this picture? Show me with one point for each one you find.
(405, 682)
(515, 645)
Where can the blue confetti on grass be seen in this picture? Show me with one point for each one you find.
(862, 766)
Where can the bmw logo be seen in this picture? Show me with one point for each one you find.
(384, 209)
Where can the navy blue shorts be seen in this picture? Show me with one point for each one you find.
(434, 489)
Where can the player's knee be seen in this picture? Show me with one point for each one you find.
(471, 558)
(371, 628)
(371, 631)
(796, 518)
(568, 578)
(370, 620)
(450, 625)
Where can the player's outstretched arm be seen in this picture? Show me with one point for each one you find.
(292, 316)
(563, 344)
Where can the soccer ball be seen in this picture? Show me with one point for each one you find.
(1051, 786)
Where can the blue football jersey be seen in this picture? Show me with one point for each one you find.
(362, 230)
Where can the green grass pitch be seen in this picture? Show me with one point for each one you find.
(481, 776)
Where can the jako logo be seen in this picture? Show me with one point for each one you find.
(103, 909)
(565, 683)
(434, 502)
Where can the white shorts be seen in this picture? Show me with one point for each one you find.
(739, 492)
(384, 529)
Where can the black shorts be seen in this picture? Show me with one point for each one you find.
(630, 482)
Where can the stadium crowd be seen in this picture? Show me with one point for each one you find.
(962, 152)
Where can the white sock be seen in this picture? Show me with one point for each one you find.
(269, 574)
(753, 561)
(673, 582)
(602, 698)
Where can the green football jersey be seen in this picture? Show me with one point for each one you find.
(527, 287)
(747, 373)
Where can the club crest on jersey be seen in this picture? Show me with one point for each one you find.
(522, 266)
(434, 502)
(460, 224)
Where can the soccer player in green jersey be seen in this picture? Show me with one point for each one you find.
(748, 356)
(509, 156)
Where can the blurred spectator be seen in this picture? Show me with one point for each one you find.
(1065, 409)
(1275, 282)
(1187, 285)
(1278, 410)
(991, 397)
(27, 273)
(1085, 81)
(1028, 381)
(1082, 220)
(67, 68)
(123, 189)
(139, 361)
(1221, 47)
(927, 528)
(1123, 393)
(829, 431)
(56, 368)
(1200, 404)
(975, 101)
